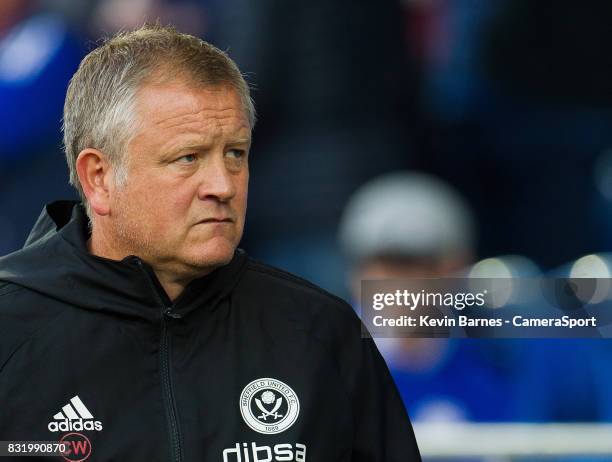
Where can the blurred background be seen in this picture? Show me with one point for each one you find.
(395, 139)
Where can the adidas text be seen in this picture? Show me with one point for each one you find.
(75, 425)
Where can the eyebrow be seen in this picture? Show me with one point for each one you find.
(240, 141)
(201, 146)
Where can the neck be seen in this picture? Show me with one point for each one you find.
(103, 245)
(172, 285)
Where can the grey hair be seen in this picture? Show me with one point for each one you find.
(100, 106)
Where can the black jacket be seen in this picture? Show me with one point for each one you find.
(249, 363)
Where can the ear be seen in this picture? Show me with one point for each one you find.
(95, 176)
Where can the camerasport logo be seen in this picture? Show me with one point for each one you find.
(269, 406)
(74, 416)
(77, 447)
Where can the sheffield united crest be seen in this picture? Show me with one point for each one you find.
(269, 405)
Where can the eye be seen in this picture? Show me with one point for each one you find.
(186, 159)
(236, 153)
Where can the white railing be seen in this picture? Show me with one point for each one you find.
(503, 441)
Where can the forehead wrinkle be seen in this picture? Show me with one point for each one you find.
(208, 127)
(204, 133)
(180, 119)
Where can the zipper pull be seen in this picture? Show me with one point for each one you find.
(172, 314)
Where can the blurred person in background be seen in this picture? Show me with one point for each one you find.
(411, 225)
(38, 54)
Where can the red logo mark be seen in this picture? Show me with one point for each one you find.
(77, 445)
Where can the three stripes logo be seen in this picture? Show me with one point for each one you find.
(74, 416)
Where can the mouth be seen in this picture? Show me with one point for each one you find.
(215, 220)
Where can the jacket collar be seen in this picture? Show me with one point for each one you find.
(55, 262)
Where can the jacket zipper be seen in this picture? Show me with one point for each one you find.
(167, 388)
(166, 372)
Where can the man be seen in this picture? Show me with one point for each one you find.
(134, 326)
(425, 229)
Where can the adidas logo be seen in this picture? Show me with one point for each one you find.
(74, 417)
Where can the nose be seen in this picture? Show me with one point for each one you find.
(217, 182)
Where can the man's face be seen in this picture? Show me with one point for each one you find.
(183, 206)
